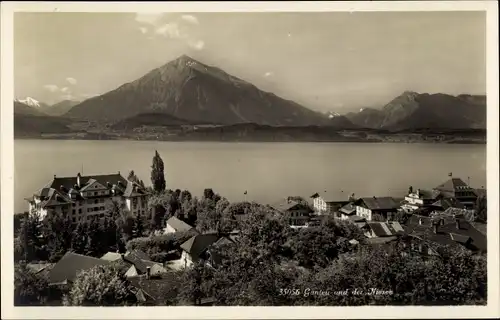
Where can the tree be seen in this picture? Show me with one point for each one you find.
(100, 286)
(194, 284)
(157, 174)
(58, 231)
(481, 209)
(79, 239)
(139, 226)
(30, 234)
(315, 246)
(29, 288)
(125, 225)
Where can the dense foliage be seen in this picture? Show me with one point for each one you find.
(30, 288)
(101, 286)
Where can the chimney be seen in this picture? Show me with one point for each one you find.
(122, 255)
(54, 176)
(457, 221)
(435, 227)
(420, 221)
(108, 184)
(62, 188)
(148, 272)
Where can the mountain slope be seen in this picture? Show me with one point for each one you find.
(149, 119)
(60, 108)
(24, 109)
(188, 89)
(412, 110)
(32, 125)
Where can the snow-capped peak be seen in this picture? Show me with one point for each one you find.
(333, 114)
(30, 102)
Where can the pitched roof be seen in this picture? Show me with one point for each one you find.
(428, 194)
(286, 205)
(39, 267)
(158, 289)
(197, 244)
(133, 190)
(348, 209)
(448, 234)
(452, 185)
(70, 182)
(178, 225)
(379, 203)
(70, 264)
(381, 240)
(446, 203)
(111, 256)
(466, 214)
(385, 229)
(140, 254)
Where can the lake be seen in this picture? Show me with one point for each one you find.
(268, 171)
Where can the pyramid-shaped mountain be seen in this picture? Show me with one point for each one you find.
(190, 90)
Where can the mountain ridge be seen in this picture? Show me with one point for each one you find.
(412, 110)
(188, 89)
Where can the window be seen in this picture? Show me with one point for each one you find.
(80, 210)
(74, 211)
(96, 193)
(74, 219)
(96, 201)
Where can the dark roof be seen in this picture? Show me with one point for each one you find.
(69, 182)
(158, 288)
(66, 185)
(381, 203)
(446, 203)
(425, 231)
(452, 185)
(466, 214)
(197, 244)
(385, 229)
(287, 205)
(356, 218)
(141, 254)
(178, 224)
(428, 194)
(70, 264)
(348, 209)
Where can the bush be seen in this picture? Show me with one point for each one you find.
(159, 244)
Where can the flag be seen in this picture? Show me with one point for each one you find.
(245, 192)
(450, 174)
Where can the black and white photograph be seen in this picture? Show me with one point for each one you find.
(197, 157)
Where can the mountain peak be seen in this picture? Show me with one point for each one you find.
(29, 102)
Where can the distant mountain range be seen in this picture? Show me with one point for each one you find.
(186, 92)
(412, 110)
(190, 90)
(32, 106)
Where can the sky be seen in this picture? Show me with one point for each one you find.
(326, 61)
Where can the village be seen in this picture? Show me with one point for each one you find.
(425, 221)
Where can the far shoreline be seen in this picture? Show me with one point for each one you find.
(256, 141)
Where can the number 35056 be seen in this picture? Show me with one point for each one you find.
(289, 292)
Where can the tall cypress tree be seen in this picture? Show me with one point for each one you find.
(158, 174)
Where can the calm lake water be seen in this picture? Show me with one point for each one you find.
(268, 171)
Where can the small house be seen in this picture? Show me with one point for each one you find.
(376, 208)
(175, 224)
(297, 213)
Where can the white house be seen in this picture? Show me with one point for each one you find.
(82, 197)
(328, 203)
(416, 199)
(376, 208)
(197, 248)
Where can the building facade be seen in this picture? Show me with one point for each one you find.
(416, 199)
(458, 189)
(84, 197)
(376, 208)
